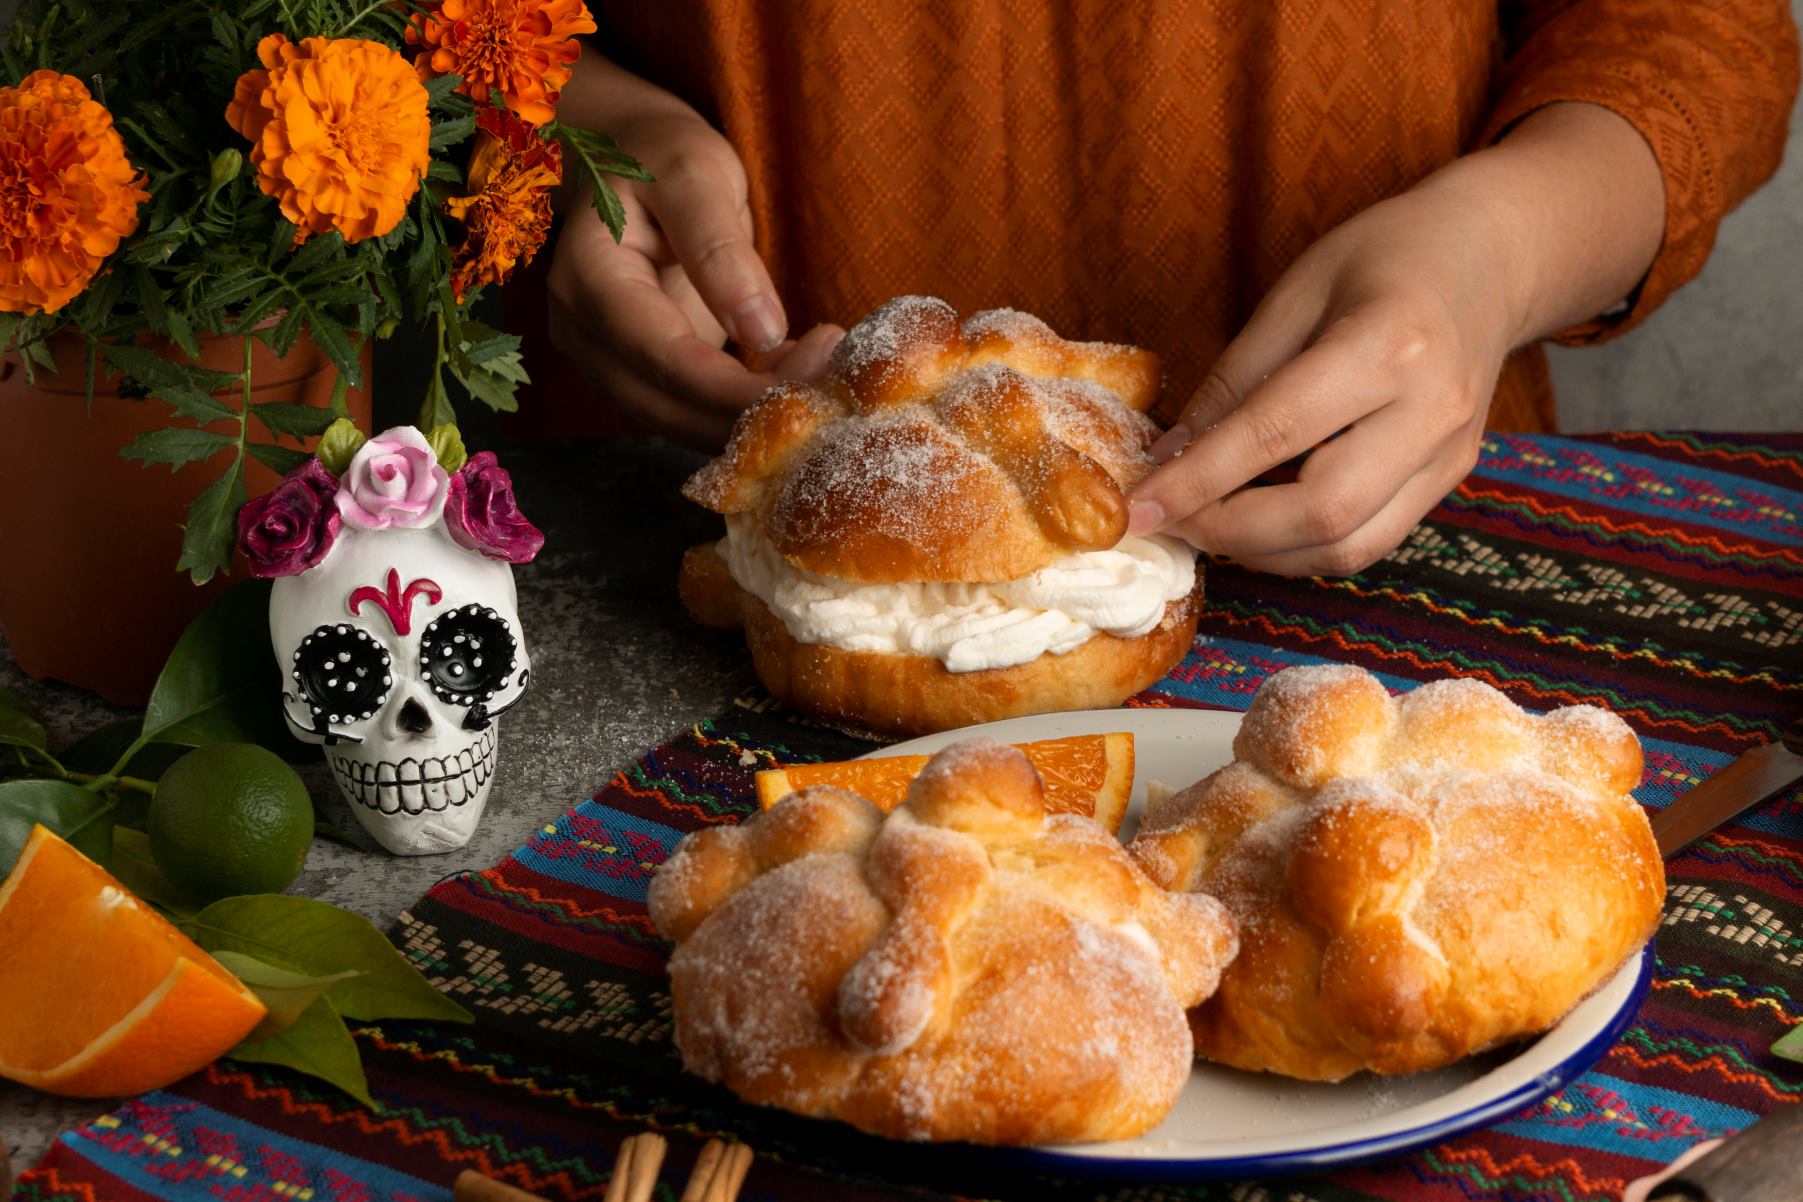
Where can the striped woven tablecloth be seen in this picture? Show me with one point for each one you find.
(1660, 575)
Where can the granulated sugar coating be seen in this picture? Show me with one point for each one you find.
(936, 452)
(1415, 878)
(975, 970)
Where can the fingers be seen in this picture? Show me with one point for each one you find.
(803, 359)
(635, 342)
(1322, 390)
(1342, 487)
(702, 213)
(1277, 330)
(1370, 542)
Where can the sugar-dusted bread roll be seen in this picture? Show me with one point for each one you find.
(936, 534)
(964, 968)
(1415, 878)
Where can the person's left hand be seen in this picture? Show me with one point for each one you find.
(1389, 331)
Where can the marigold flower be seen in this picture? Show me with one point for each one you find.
(508, 210)
(520, 50)
(339, 132)
(68, 195)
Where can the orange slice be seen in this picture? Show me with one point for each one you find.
(1084, 774)
(99, 995)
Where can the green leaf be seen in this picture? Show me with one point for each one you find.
(447, 443)
(20, 723)
(137, 870)
(280, 460)
(440, 170)
(453, 131)
(79, 815)
(222, 684)
(332, 340)
(341, 391)
(285, 993)
(339, 444)
(1791, 1046)
(316, 938)
(153, 371)
(494, 382)
(212, 519)
(176, 445)
(299, 420)
(436, 409)
(194, 404)
(317, 1044)
(440, 87)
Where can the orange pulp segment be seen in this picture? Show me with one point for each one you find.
(100, 996)
(1090, 775)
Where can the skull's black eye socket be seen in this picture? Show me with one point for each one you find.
(467, 655)
(343, 674)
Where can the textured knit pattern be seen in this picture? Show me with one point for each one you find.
(1143, 173)
(1660, 575)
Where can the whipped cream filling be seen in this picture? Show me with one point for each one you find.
(970, 627)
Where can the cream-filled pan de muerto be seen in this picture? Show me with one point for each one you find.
(967, 967)
(1415, 878)
(935, 535)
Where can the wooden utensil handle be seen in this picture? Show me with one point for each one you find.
(1764, 1163)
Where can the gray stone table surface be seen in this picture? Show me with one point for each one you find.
(617, 667)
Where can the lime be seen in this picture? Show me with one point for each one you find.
(230, 819)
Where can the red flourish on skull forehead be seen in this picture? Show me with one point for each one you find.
(395, 601)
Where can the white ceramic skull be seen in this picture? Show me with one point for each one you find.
(401, 650)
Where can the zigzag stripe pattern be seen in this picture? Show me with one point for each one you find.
(1634, 571)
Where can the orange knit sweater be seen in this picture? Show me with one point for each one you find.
(1142, 170)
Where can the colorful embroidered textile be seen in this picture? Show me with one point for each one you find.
(1658, 574)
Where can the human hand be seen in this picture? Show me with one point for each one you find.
(1390, 332)
(646, 319)
(1392, 329)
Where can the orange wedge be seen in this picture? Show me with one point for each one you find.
(99, 995)
(1084, 774)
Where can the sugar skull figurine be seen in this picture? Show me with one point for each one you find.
(395, 620)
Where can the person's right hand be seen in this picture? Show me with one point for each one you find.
(646, 319)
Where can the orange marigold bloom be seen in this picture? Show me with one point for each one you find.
(339, 132)
(508, 210)
(68, 195)
(519, 50)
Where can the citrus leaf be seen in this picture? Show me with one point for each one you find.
(20, 724)
(99, 749)
(1791, 1046)
(285, 993)
(316, 938)
(137, 870)
(339, 444)
(79, 815)
(222, 684)
(317, 1044)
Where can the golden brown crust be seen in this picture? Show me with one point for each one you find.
(912, 694)
(1416, 879)
(967, 967)
(938, 452)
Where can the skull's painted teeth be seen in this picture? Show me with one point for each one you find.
(413, 787)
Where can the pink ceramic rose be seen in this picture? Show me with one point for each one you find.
(482, 514)
(290, 529)
(393, 481)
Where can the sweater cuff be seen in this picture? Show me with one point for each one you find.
(1693, 198)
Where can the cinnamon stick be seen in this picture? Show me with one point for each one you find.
(732, 1172)
(701, 1177)
(472, 1186)
(647, 1162)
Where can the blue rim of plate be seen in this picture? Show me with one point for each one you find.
(1360, 1151)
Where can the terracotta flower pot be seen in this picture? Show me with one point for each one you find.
(89, 593)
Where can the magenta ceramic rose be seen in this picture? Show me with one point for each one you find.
(290, 529)
(482, 514)
(393, 481)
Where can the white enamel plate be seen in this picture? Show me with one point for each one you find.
(1229, 1124)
